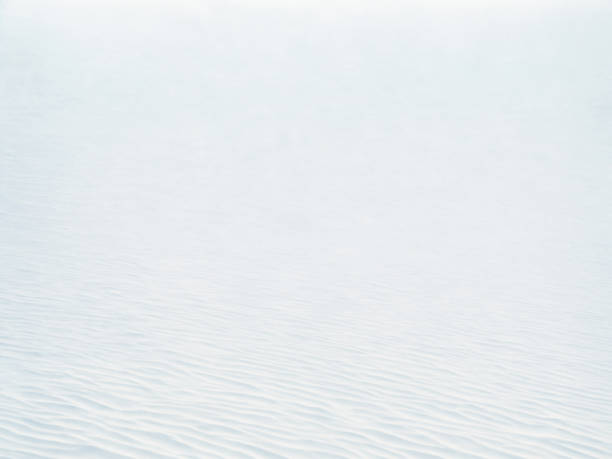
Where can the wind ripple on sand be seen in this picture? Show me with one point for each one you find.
(220, 379)
(248, 232)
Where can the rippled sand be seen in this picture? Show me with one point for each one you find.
(255, 231)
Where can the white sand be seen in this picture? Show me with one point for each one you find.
(259, 231)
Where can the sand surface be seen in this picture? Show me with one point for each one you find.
(266, 231)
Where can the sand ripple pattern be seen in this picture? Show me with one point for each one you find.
(233, 380)
(222, 235)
